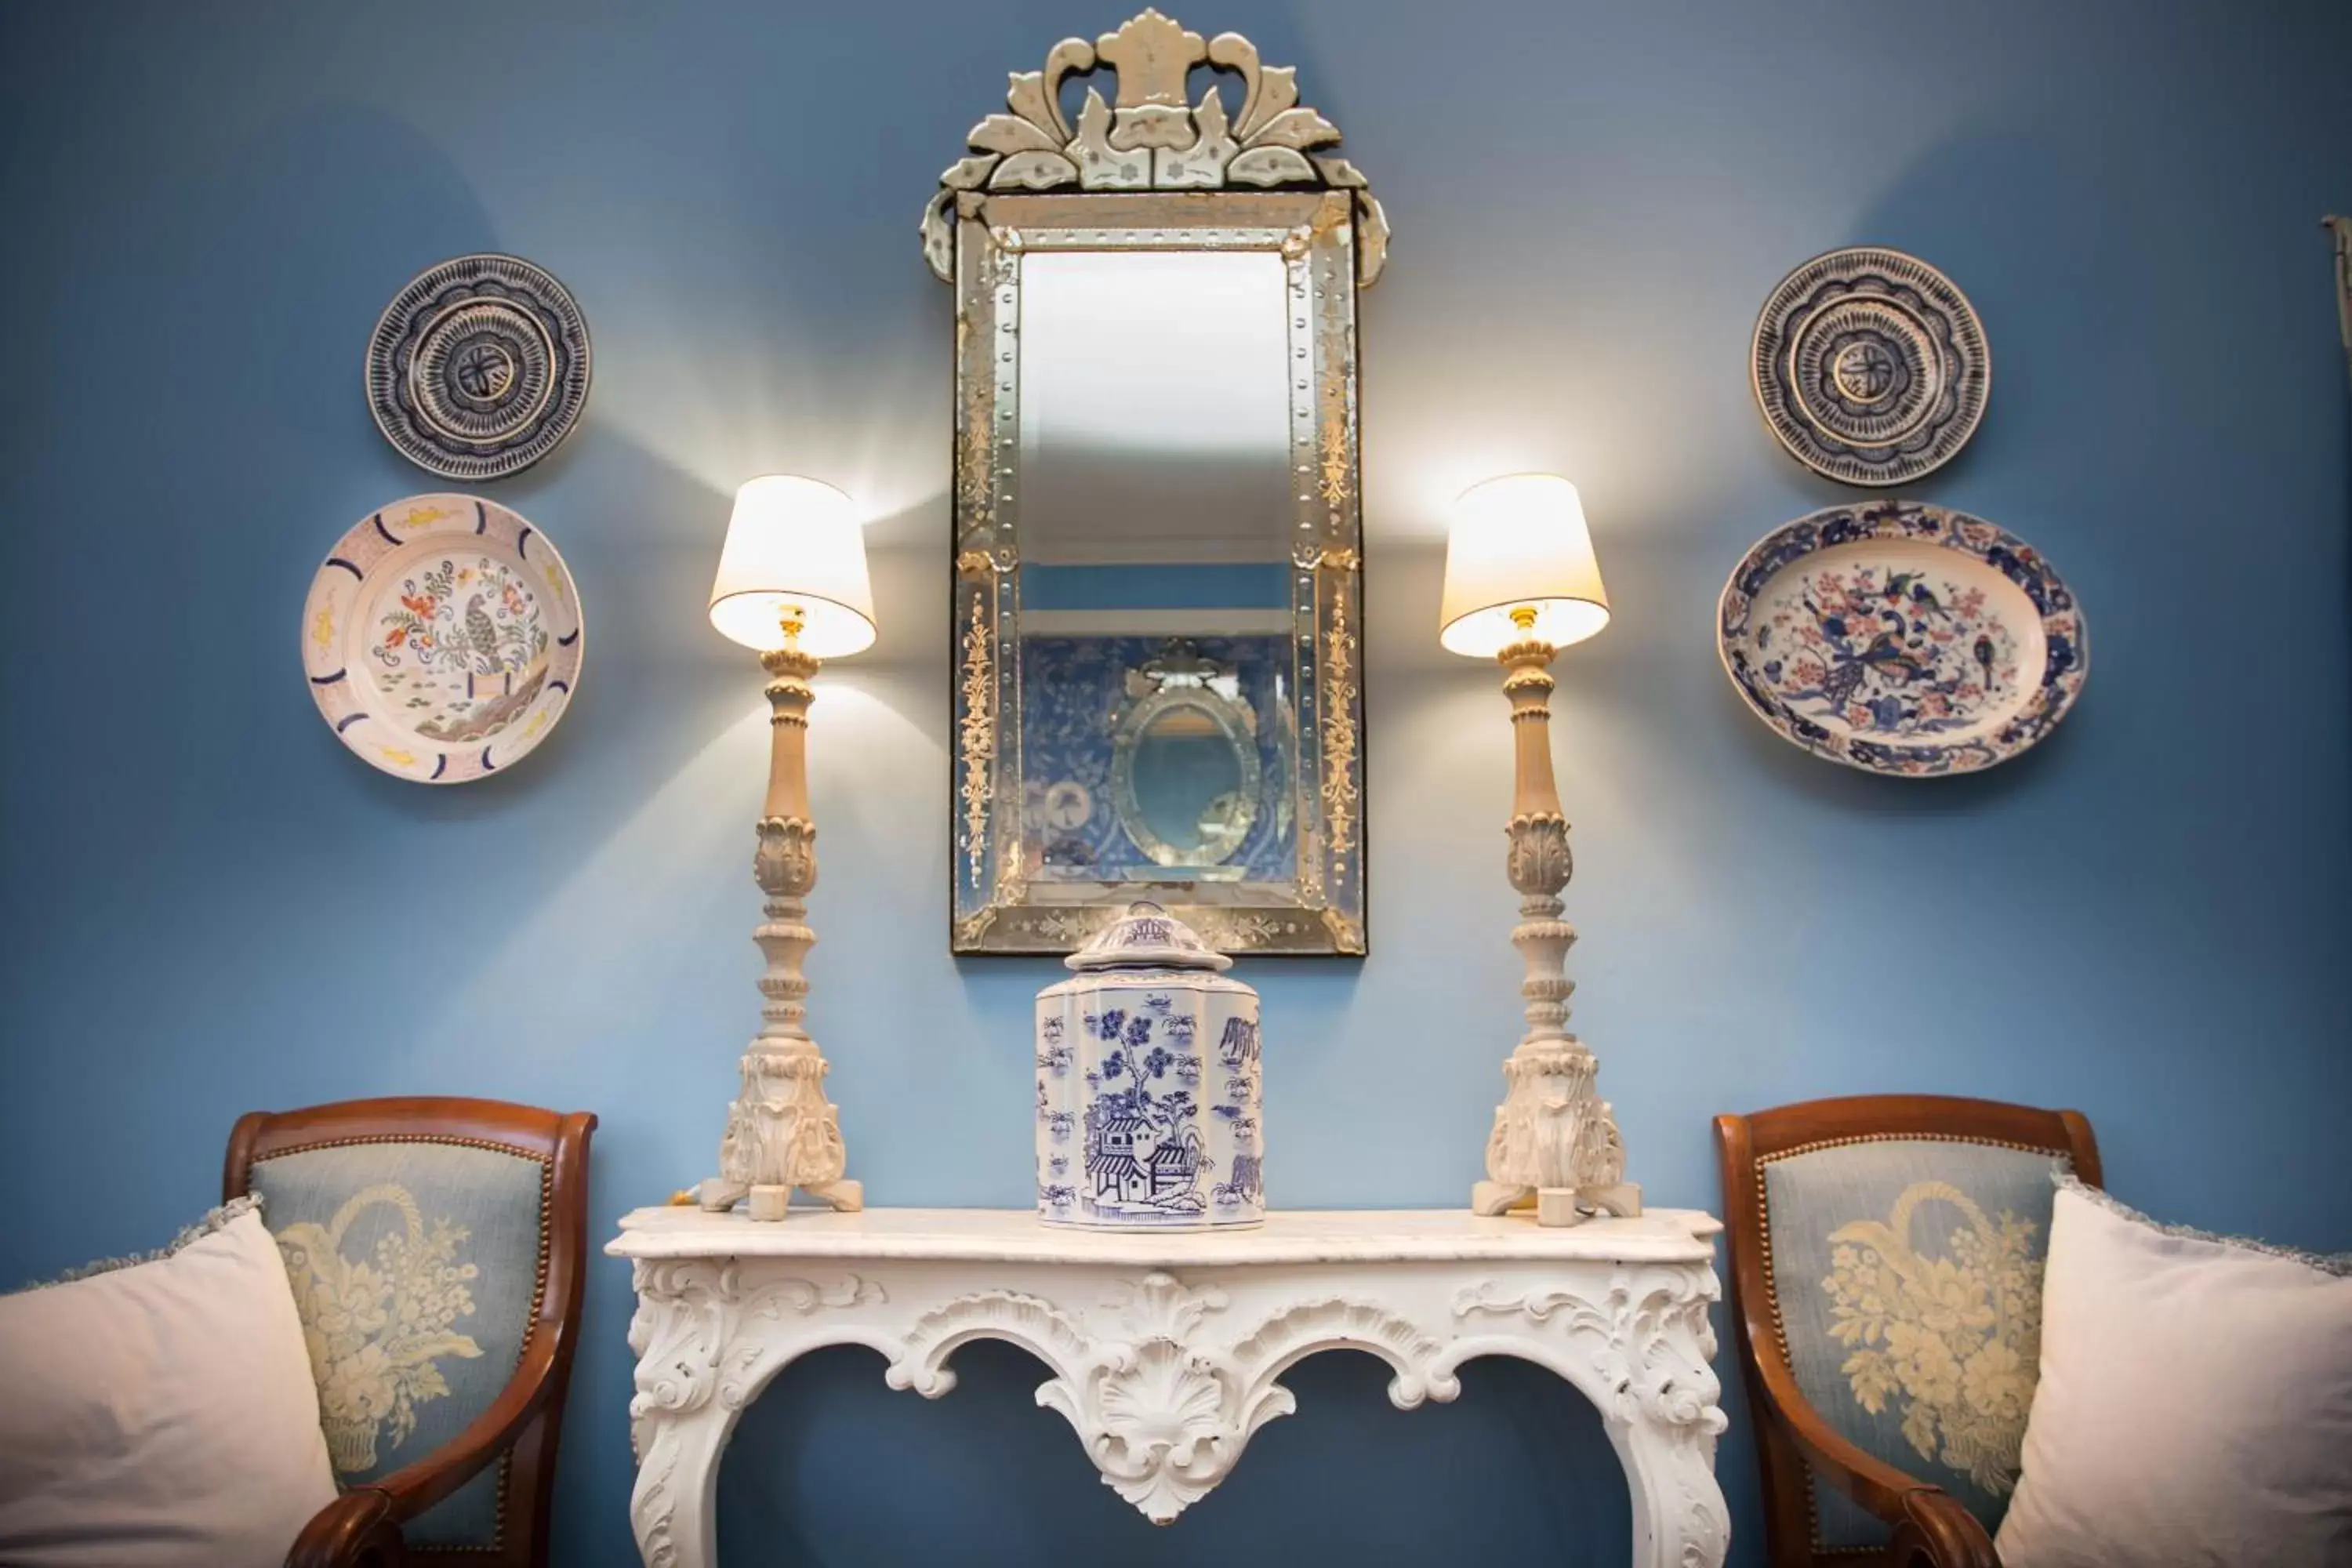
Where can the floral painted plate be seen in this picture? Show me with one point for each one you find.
(1902, 638)
(442, 638)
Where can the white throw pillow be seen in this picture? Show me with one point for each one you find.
(161, 1415)
(2195, 1404)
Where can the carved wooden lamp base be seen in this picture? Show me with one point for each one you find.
(792, 584)
(782, 1135)
(781, 1132)
(1555, 1143)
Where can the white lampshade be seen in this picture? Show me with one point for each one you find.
(1519, 543)
(795, 547)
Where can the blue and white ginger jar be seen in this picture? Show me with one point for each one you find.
(1147, 1084)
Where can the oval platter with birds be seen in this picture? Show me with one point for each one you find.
(442, 638)
(1870, 366)
(479, 367)
(1902, 638)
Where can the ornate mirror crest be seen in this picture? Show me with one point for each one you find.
(1154, 139)
(1044, 211)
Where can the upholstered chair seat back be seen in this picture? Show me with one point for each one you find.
(436, 1248)
(1905, 1282)
(417, 1265)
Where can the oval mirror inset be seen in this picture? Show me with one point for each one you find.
(1186, 779)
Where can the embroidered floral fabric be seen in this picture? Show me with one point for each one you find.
(1908, 1274)
(414, 1266)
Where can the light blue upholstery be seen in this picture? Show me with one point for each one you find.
(1906, 1275)
(416, 1267)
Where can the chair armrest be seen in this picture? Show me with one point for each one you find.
(355, 1530)
(1932, 1528)
(413, 1488)
(1939, 1534)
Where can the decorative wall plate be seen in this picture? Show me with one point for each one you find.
(479, 367)
(442, 638)
(1902, 638)
(1870, 366)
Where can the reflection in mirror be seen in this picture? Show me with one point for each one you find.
(1186, 773)
(1187, 777)
(1154, 437)
(1155, 413)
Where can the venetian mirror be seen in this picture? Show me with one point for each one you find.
(1158, 595)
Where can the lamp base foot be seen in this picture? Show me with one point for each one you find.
(1558, 1205)
(843, 1196)
(767, 1201)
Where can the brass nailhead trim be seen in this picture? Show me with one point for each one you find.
(1772, 1288)
(539, 1281)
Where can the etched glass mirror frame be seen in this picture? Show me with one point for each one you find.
(1154, 172)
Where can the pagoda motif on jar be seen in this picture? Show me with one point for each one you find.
(1147, 1084)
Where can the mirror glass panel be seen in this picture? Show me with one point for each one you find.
(1155, 417)
(1155, 574)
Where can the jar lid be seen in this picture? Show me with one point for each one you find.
(1147, 937)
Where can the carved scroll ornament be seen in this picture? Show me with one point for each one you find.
(1153, 137)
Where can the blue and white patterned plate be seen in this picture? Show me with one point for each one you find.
(1902, 638)
(442, 637)
(479, 367)
(1870, 366)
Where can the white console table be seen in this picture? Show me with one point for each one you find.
(1166, 1349)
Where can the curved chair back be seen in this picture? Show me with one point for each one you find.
(1887, 1252)
(437, 1251)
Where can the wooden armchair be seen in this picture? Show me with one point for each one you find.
(438, 1251)
(1887, 1253)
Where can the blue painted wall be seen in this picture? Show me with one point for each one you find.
(210, 906)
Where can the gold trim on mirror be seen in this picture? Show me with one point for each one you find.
(1340, 791)
(976, 723)
(1152, 139)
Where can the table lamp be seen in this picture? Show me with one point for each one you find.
(1521, 584)
(792, 584)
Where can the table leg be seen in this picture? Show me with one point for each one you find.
(1680, 1520)
(674, 1507)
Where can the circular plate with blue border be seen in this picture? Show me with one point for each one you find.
(442, 637)
(1902, 638)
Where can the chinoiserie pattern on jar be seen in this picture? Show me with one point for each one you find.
(1148, 1085)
